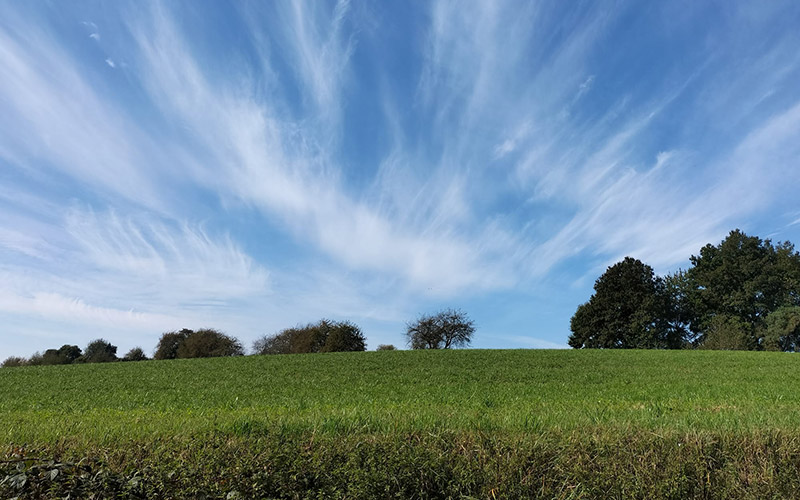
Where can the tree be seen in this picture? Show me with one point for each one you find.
(135, 354)
(386, 347)
(99, 351)
(443, 330)
(342, 336)
(783, 330)
(323, 336)
(209, 343)
(169, 343)
(279, 343)
(628, 310)
(680, 313)
(64, 355)
(743, 277)
(727, 332)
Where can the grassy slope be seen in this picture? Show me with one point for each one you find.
(379, 392)
(458, 424)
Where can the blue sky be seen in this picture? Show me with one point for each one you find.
(256, 165)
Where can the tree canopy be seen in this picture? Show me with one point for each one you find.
(628, 310)
(743, 293)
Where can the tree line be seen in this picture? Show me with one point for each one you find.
(446, 329)
(743, 294)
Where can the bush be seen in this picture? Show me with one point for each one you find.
(205, 343)
(324, 336)
(36, 359)
(14, 361)
(386, 347)
(169, 343)
(65, 355)
(99, 351)
(135, 354)
(209, 343)
(443, 330)
(727, 332)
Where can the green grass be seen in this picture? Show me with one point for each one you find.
(379, 392)
(667, 421)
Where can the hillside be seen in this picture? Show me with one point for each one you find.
(418, 405)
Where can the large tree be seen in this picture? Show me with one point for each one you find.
(743, 278)
(629, 309)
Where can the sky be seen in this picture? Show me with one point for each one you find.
(251, 166)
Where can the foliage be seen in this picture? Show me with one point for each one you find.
(746, 278)
(65, 355)
(169, 343)
(724, 301)
(203, 343)
(443, 330)
(14, 361)
(727, 332)
(386, 347)
(135, 354)
(783, 330)
(36, 359)
(99, 351)
(629, 309)
(209, 343)
(323, 336)
(597, 463)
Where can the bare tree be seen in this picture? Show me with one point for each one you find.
(443, 330)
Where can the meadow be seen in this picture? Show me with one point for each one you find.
(409, 424)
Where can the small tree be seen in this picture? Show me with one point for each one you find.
(135, 354)
(728, 332)
(783, 330)
(279, 343)
(443, 330)
(343, 337)
(100, 351)
(386, 347)
(36, 359)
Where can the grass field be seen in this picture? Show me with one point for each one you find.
(544, 424)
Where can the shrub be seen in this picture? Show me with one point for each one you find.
(135, 354)
(36, 359)
(324, 336)
(209, 343)
(14, 361)
(386, 347)
(169, 343)
(65, 355)
(205, 343)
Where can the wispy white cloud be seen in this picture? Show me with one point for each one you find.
(511, 144)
